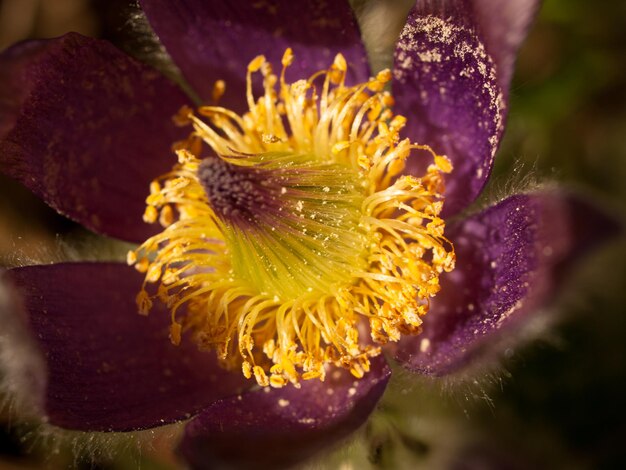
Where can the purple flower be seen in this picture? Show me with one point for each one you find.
(87, 128)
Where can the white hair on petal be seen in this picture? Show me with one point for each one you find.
(22, 369)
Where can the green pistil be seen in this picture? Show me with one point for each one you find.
(292, 228)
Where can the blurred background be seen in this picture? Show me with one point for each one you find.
(557, 402)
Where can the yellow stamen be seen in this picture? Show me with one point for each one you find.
(298, 233)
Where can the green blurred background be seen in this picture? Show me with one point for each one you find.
(558, 401)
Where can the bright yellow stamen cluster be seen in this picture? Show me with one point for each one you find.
(342, 254)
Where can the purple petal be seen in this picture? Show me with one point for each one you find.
(86, 128)
(452, 66)
(215, 40)
(510, 259)
(274, 428)
(109, 368)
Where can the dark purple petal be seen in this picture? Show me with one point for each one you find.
(275, 428)
(109, 368)
(86, 128)
(452, 66)
(510, 258)
(213, 40)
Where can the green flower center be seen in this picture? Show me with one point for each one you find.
(291, 223)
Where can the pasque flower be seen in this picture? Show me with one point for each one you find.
(303, 225)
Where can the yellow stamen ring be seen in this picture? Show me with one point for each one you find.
(299, 233)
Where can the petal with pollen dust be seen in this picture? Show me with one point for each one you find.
(510, 259)
(109, 368)
(86, 128)
(215, 40)
(451, 76)
(276, 428)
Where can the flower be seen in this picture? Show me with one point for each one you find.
(87, 129)
(298, 231)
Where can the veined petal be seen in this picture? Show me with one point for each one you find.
(275, 428)
(108, 368)
(86, 128)
(510, 259)
(215, 40)
(452, 68)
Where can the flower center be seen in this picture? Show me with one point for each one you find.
(291, 224)
(295, 243)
